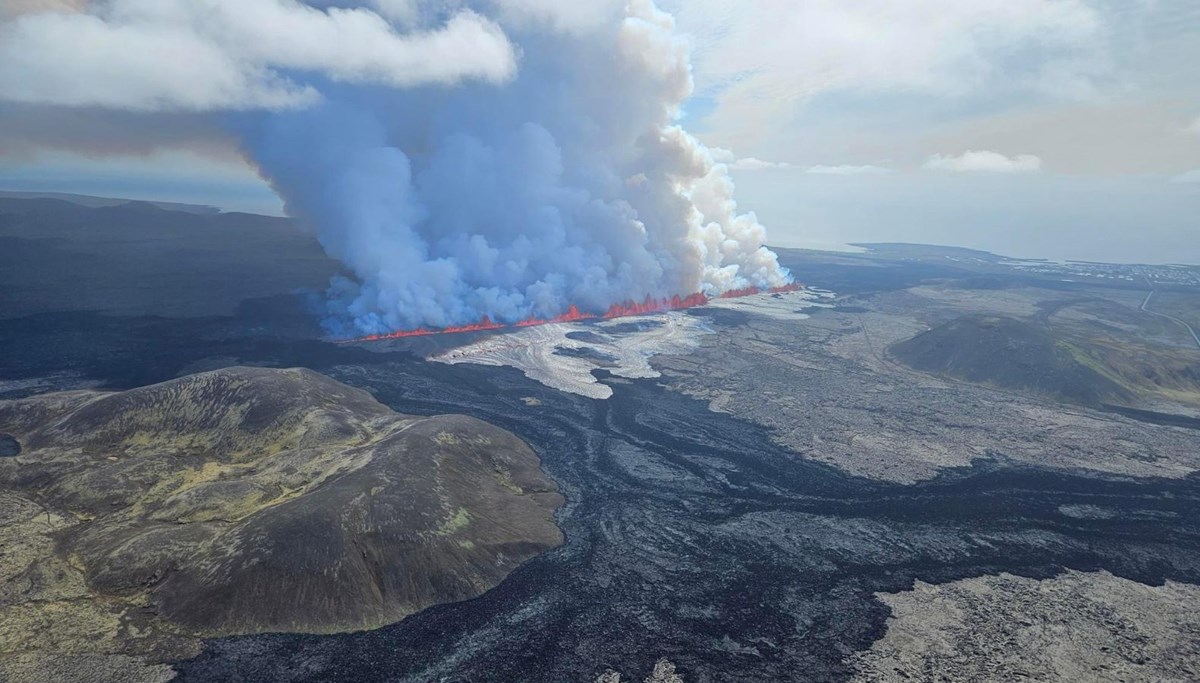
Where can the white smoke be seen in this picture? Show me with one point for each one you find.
(570, 184)
(465, 158)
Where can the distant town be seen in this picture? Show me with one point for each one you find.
(1135, 273)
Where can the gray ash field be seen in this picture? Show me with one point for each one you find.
(733, 516)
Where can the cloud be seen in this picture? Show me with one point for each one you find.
(755, 164)
(210, 55)
(1139, 137)
(12, 8)
(564, 15)
(721, 155)
(1195, 126)
(27, 130)
(736, 163)
(984, 161)
(761, 59)
(846, 169)
(404, 12)
(1192, 176)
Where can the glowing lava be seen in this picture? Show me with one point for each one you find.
(573, 314)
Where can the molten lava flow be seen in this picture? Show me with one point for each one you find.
(738, 293)
(573, 314)
(481, 326)
(651, 305)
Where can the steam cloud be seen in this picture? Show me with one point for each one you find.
(549, 174)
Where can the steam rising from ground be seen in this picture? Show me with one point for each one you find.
(568, 184)
(463, 158)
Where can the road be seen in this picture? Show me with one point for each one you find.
(1177, 321)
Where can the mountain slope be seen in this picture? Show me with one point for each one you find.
(1008, 353)
(248, 500)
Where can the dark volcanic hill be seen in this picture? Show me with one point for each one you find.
(248, 500)
(1008, 353)
(137, 258)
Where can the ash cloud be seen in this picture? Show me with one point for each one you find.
(475, 186)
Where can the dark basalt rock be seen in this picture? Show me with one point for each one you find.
(633, 325)
(726, 317)
(604, 359)
(587, 337)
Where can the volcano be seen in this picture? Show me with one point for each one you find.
(573, 314)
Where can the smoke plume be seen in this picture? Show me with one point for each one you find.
(463, 158)
(568, 184)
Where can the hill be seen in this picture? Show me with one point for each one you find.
(137, 258)
(1009, 353)
(96, 202)
(249, 500)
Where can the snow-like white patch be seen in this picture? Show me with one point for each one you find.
(786, 306)
(624, 346)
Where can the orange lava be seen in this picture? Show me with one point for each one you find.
(573, 314)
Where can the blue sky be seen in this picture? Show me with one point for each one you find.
(1037, 128)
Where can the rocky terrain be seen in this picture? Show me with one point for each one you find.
(1075, 627)
(563, 355)
(761, 492)
(246, 500)
(692, 535)
(664, 672)
(830, 392)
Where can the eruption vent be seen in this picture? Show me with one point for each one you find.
(573, 314)
(556, 193)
